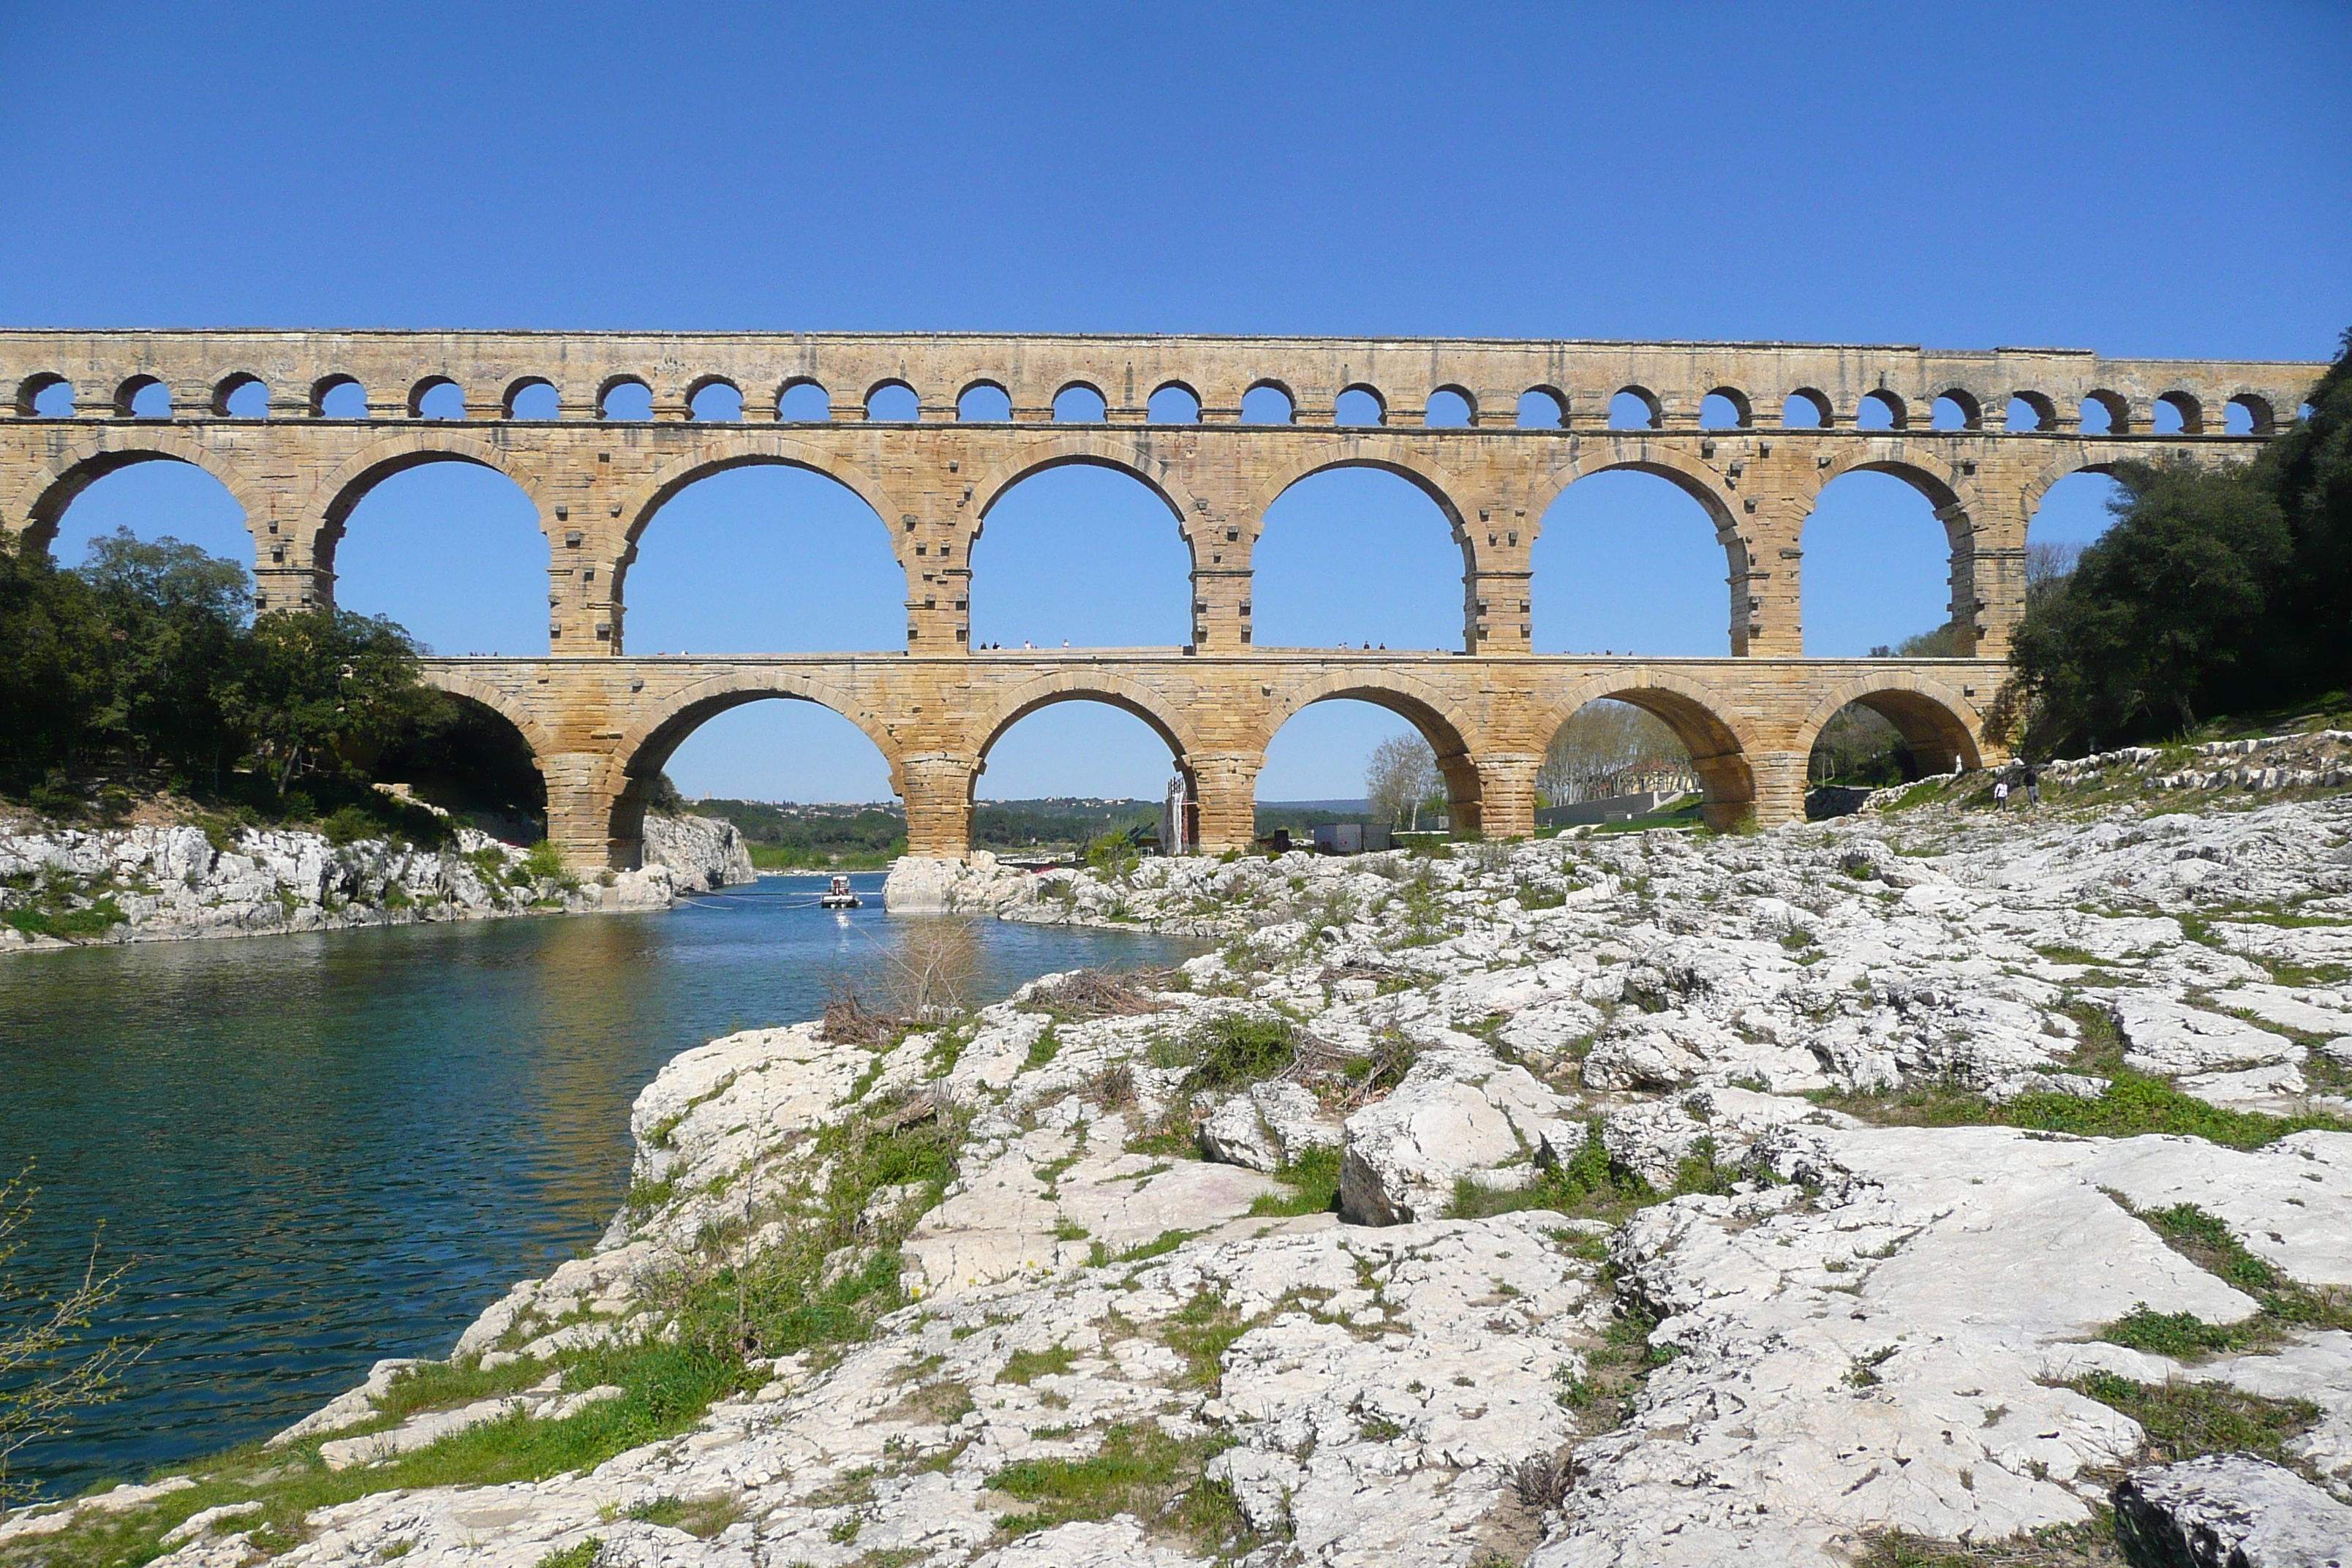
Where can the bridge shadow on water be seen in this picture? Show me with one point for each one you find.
(316, 1150)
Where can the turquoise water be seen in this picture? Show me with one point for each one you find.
(314, 1151)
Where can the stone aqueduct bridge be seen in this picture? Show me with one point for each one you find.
(250, 407)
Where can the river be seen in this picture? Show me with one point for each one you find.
(311, 1152)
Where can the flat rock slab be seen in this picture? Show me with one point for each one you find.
(2230, 1510)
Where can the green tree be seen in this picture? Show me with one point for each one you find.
(176, 615)
(55, 656)
(2167, 615)
(319, 690)
(2309, 470)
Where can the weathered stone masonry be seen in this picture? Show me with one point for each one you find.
(601, 723)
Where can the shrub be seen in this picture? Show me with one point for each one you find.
(1235, 1048)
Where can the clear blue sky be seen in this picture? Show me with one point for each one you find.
(2142, 179)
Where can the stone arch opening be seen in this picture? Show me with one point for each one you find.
(624, 399)
(2068, 516)
(1075, 550)
(1807, 408)
(715, 400)
(1174, 404)
(1881, 410)
(1080, 403)
(532, 397)
(393, 529)
(1543, 408)
(2103, 414)
(892, 402)
(1360, 551)
(1634, 556)
(1878, 565)
(2028, 412)
(2178, 414)
(471, 759)
(162, 455)
(2247, 415)
(1716, 750)
(241, 395)
(802, 401)
(984, 403)
(1606, 750)
(644, 755)
(806, 563)
(1331, 730)
(1635, 408)
(1360, 404)
(338, 396)
(1450, 408)
(1085, 742)
(1725, 408)
(782, 751)
(45, 395)
(1866, 735)
(152, 497)
(1268, 402)
(436, 397)
(144, 397)
(1955, 409)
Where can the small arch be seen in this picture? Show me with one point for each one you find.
(1955, 409)
(1635, 408)
(892, 402)
(624, 399)
(1079, 404)
(241, 395)
(1725, 408)
(144, 397)
(1936, 724)
(338, 396)
(715, 400)
(984, 403)
(45, 395)
(1449, 409)
(1268, 402)
(436, 397)
(2029, 412)
(1543, 408)
(1881, 410)
(532, 397)
(2248, 414)
(1805, 409)
(802, 401)
(1174, 404)
(2179, 414)
(2103, 414)
(1360, 404)
(1718, 745)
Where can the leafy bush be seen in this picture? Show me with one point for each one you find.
(1235, 1048)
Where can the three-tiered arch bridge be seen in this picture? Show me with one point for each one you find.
(299, 425)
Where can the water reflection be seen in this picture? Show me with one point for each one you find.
(317, 1151)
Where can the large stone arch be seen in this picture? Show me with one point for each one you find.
(741, 448)
(498, 701)
(41, 501)
(359, 474)
(1458, 739)
(1130, 455)
(2082, 457)
(1723, 746)
(645, 747)
(1601, 453)
(1945, 489)
(1938, 723)
(1085, 684)
(1372, 449)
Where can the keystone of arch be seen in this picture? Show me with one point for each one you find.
(1078, 443)
(1419, 699)
(1731, 734)
(747, 685)
(37, 505)
(1087, 683)
(457, 683)
(1967, 720)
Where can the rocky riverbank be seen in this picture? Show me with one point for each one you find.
(1656, 1198)
(62, 886)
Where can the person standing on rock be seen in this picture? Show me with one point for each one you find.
(2033, 786)
(2001, 794)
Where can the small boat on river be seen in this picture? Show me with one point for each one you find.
(839, 897)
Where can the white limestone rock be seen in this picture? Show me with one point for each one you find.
(1455, 1113)
(2171, 1037)
(2230, 1510)
(1267, 1128)
(704, 853)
